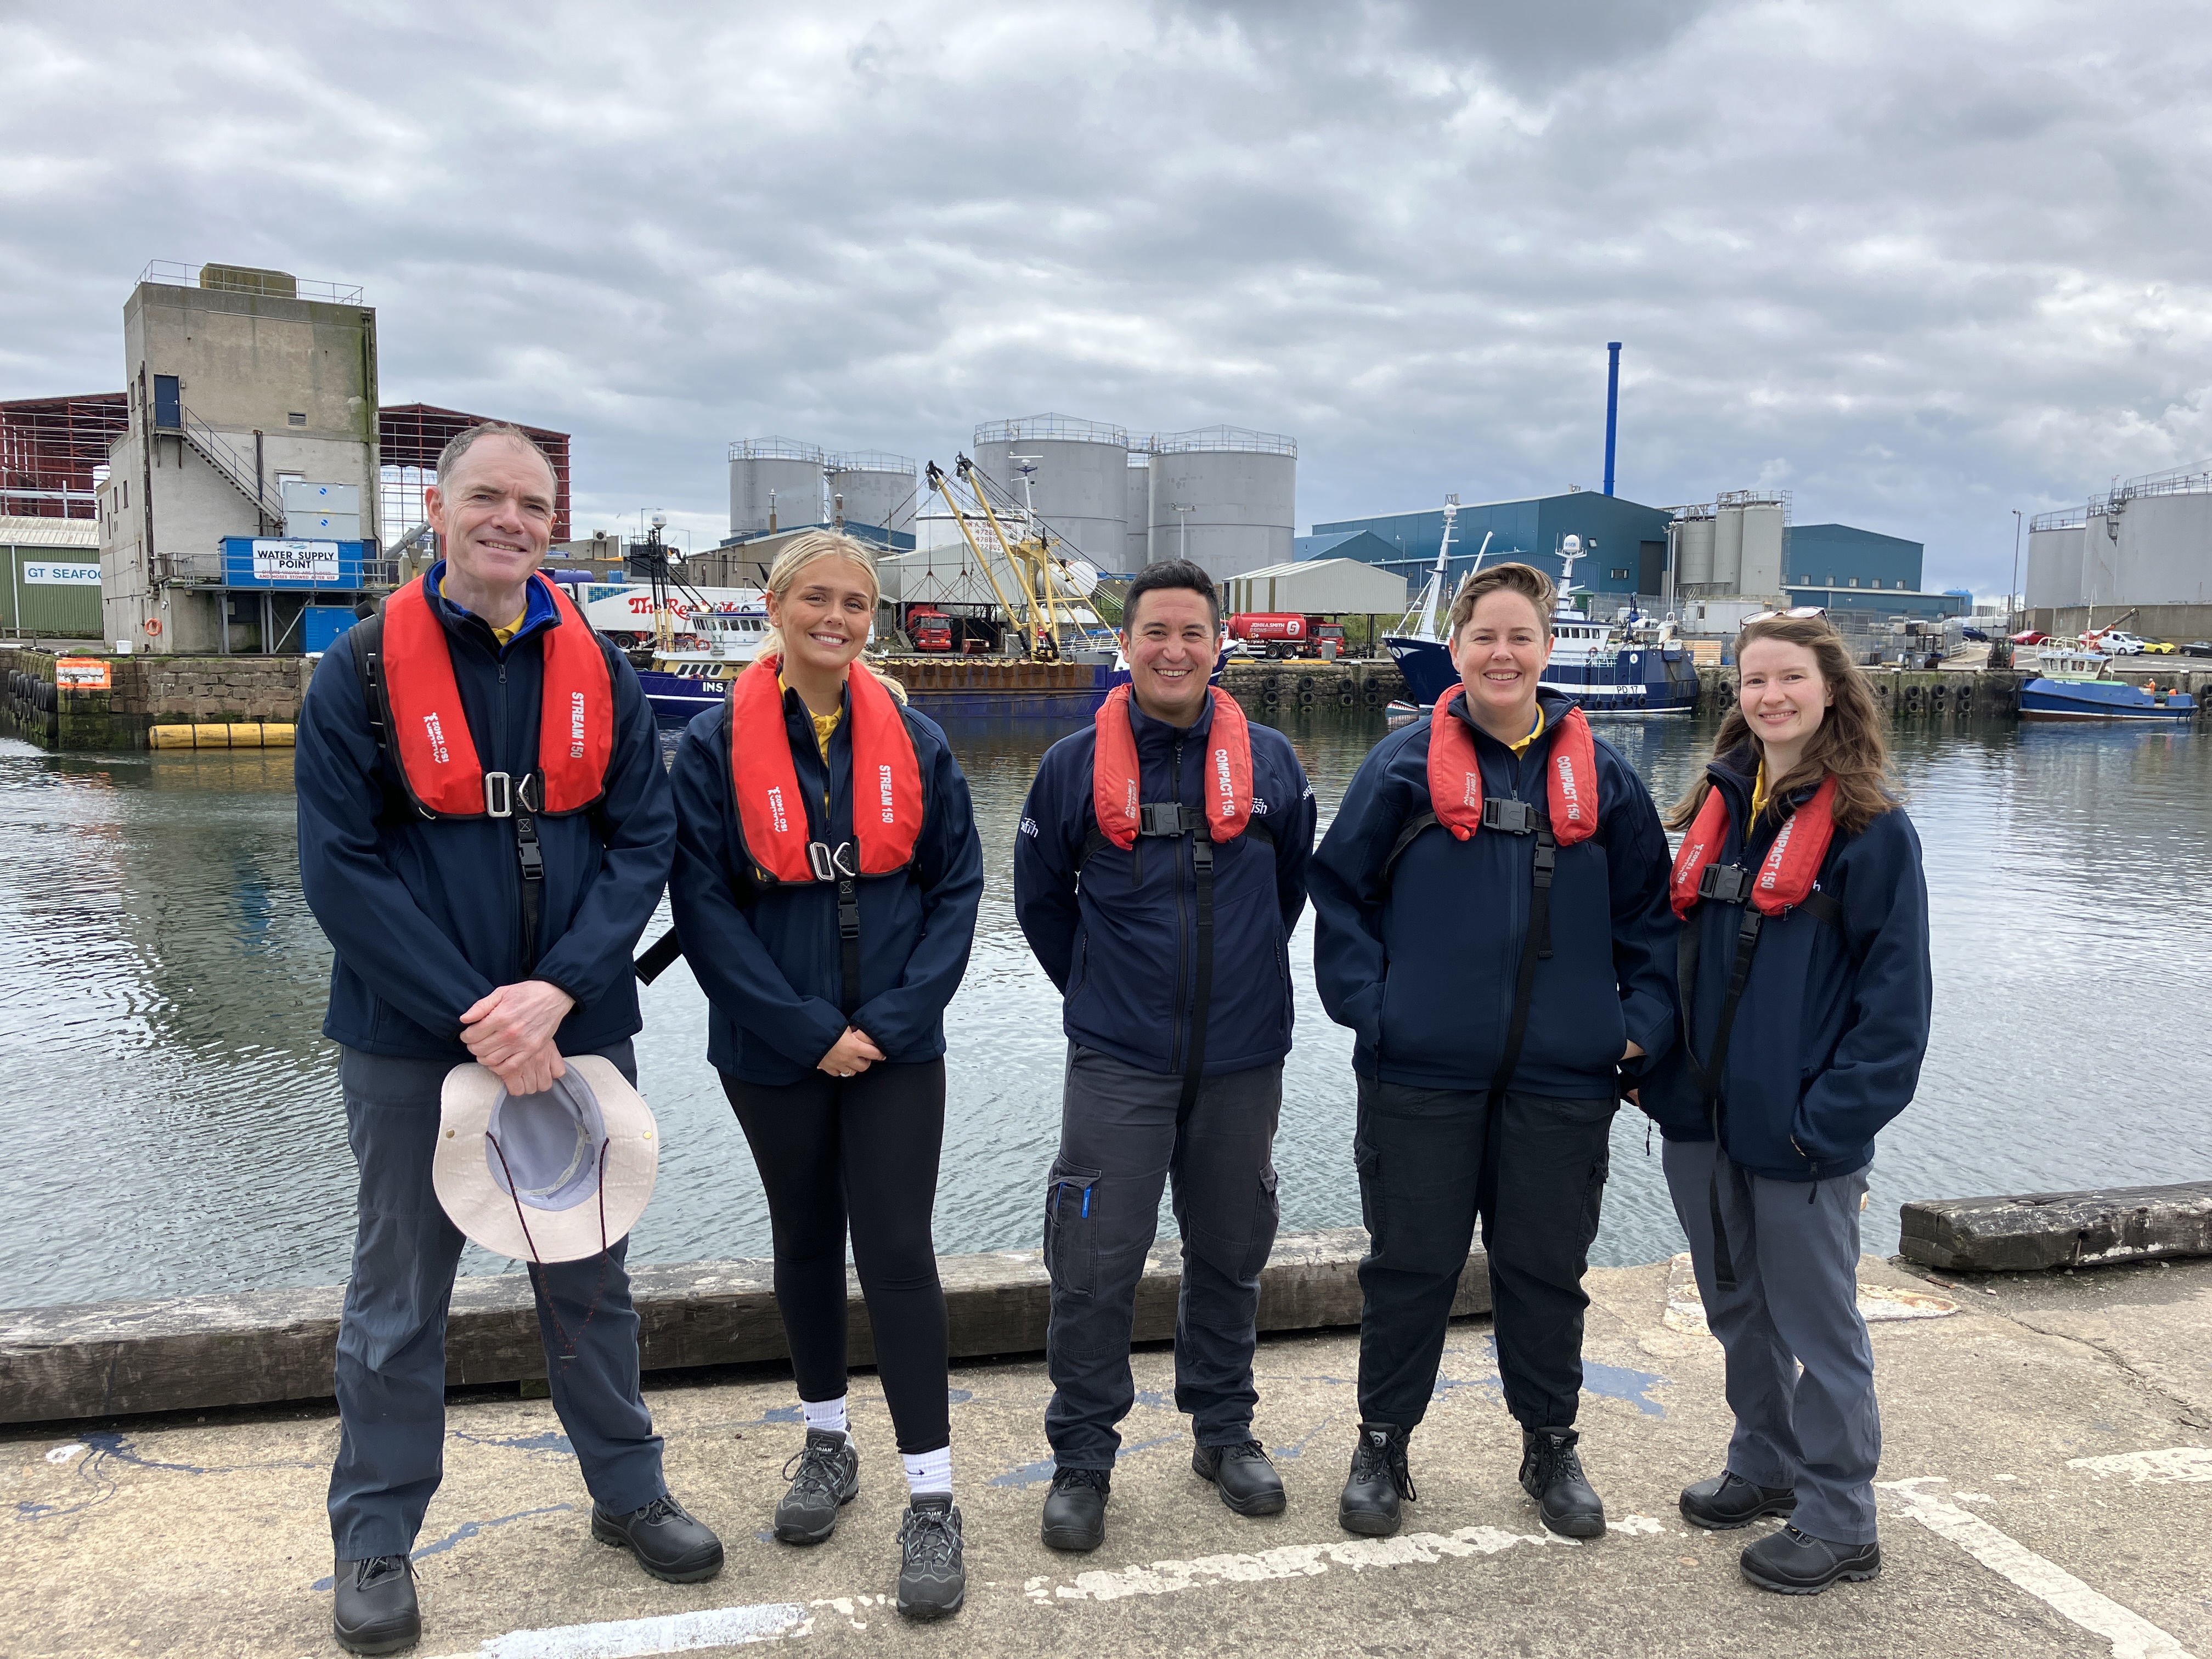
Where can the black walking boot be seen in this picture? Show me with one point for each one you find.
(933, 1581)
(829, 1478)
(1794, 1563)
(1246, 1479)
(1552, 1474)
(1075, 1509)
(1379, 1481)
(1728, 1501)
(375, 1610)
(665, 1538)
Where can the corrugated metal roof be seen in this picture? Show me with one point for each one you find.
(17, 531)
(1322, 586)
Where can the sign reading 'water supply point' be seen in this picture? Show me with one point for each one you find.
(277, 560)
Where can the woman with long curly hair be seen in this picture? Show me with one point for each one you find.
(1805, 995)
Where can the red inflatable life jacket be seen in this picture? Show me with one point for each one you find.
(1228, 771)
(1785, 876)
(1456, 775)
(887, 794)
(429, 731)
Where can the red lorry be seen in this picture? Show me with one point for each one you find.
(1285, 633)
(930, 630)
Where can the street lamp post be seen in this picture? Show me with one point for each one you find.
(2014, 595)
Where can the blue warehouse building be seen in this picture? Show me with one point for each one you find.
(1628, 540)
(1846, 568)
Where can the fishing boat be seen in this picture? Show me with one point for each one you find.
(2073, 686)
(1635, 666)
(691, 673)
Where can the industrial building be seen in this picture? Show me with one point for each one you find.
(2140, 555)
(1224, 496)
(246, 491)
(1628, 540)
(52, 588)
(1318, 587)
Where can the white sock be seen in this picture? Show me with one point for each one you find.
(928, 1473)
(827, 1416)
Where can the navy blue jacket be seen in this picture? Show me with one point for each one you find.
(1122, 944)
(1828, 1039)
(1424, 972)
(426, 917)
(768, 955)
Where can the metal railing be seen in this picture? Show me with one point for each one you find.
(2064, 518)
(777, 449)
(871, 460)
(1211, 439)
(1065, 428)
(172, 273)
(218, 453)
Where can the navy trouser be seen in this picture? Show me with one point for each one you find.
(1795, 1245)
(1428, 1161)
(1120, 1143)
(392, 1337)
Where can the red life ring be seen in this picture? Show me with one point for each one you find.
(153, 624)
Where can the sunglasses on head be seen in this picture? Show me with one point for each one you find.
(1795, 611)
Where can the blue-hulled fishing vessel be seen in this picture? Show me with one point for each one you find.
(2073, 687)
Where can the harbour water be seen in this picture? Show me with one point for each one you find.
(172, 1121)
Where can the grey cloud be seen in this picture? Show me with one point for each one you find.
(1920, 265)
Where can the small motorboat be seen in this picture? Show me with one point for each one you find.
(2073, 685)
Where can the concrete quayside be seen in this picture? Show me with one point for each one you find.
(2047, 1438)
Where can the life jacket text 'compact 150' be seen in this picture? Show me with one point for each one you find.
(1122, 821)
(405, 662)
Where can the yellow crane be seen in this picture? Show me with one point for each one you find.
(1034, 574)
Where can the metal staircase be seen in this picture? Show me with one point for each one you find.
(210, 447)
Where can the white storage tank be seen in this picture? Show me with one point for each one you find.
(1760, 571)
(1079, 486)
(782, 475)
(1728, 548)
(1693, 553)
(1138, 517)
(1239, 490)
(2055, 549)
(877, 488)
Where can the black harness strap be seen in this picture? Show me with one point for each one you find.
(1727, 885)
(1519, 819)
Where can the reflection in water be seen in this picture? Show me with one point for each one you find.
(173, 1112)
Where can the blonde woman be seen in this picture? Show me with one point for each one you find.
(826, 882)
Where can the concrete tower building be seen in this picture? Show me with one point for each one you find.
(251, 398)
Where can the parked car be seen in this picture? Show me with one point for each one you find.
(2199, 647)
(2029, 636)
(2118, 642)
(2159, 648)
(1975, 634)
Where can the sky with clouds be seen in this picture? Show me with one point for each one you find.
(1919, 262)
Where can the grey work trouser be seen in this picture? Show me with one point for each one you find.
(392, 1337)
(1795, 1245)
(1121, 1141)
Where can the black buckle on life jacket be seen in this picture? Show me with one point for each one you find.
(499, 794)
(1730, 884)
(1515, 818)
(827, 862)
(1155, 817)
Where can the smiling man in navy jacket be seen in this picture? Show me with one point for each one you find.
(483, 890)
(1158, 871)
(1491, 921)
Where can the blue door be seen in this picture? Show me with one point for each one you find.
(320, 624)
(167, 403)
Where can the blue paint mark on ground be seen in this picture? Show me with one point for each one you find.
(958, 1396)
(462, 1534)
(1035, 1474)
(107, 1447)
(1297, 1448)
(1618, 1383)
(1153, 1398)
(547, 1442)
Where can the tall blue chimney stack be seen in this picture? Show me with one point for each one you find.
(1611, 405)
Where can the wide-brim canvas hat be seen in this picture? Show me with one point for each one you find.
(554, 1177)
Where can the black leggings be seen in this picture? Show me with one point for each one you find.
(862, 1147)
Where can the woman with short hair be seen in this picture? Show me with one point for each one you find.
(826, 882)
(1805, 968)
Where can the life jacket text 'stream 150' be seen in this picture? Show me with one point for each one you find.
(1228, 770)
(887, 794)
(430, 731)
(1785, 875)
(1570, 776)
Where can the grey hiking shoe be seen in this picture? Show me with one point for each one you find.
(829, 1478)
(933, 1581)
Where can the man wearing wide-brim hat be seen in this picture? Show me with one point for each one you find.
(485, 827)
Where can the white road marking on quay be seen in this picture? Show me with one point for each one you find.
(2174, 1466)
(1305, 1561)
(2132, 1635)
(638, 1639)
